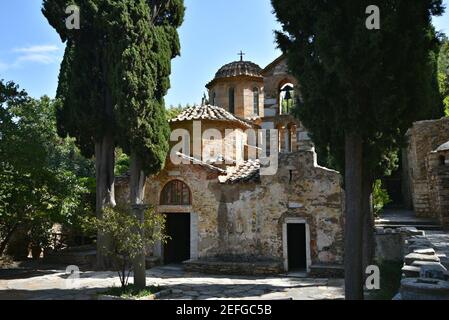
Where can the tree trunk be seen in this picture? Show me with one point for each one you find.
(368, 221)
(104, 162)
(354, 218)
(5, 241)
(137, 190)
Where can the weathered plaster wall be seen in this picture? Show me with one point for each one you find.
(245, 221)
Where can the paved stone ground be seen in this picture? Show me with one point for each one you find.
(53, 285)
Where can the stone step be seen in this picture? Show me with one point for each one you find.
(433, 227)
(411, 257)
(327, 271)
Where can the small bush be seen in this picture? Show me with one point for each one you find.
(132, 291)
(380, 197)
(128, 236)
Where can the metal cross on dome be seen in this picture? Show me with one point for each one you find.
(241, 54)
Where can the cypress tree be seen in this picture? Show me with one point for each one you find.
(361, 89)
(142, 79)
(112, 84)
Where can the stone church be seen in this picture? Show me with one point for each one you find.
(222, 213)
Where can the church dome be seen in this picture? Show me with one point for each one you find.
(239, 68)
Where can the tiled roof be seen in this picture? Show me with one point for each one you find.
(248, 171)
(443, 147)
(208, 112)
(239, 68)
(201, 163)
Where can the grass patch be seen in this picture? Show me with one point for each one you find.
(131, 291)
(390, 281)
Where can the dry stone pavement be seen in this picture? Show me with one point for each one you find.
(53, 285)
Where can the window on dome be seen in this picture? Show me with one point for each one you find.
(231, 100)
(213, 98)
(256, 101)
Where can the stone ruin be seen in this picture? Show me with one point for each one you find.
(425, 273)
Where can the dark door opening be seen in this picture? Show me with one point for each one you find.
(177, 248)
(296, 246)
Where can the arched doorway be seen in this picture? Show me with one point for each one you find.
(177, 225)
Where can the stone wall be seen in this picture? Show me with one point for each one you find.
(438, 177)
(424, 137)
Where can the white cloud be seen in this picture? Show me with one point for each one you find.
(36, 57)
(38, 49)
(37, 54)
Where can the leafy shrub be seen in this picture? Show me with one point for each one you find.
(128, 236)
(380, 197)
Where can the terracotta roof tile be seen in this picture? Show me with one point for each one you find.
(208, 112)
(248, 171)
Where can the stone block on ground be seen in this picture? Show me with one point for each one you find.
(436, 265)
(411, 257)
(428, 251)
(412, 231)
(412, 248)
(411, 271)
(424, 289)
(420, 242)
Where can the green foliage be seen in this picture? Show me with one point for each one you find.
(142, 77)
(353, 80)
(132, 292)
(115, 73)
(129, 236)
(40, 172)
(443, 74)
(173, 112)
(122, 163)
(380, 197)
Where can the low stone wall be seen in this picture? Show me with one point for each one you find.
(327, 271)
(234, 268)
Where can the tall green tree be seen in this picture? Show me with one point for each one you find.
(86, 110)
(112, 84)
(148, 40)
(361, 89)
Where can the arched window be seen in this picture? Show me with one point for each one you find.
(256, 101)
(287, 98)
(231, 100)
(176, 193)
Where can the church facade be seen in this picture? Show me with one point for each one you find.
(225, 212)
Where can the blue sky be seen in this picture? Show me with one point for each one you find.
(213, 33)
